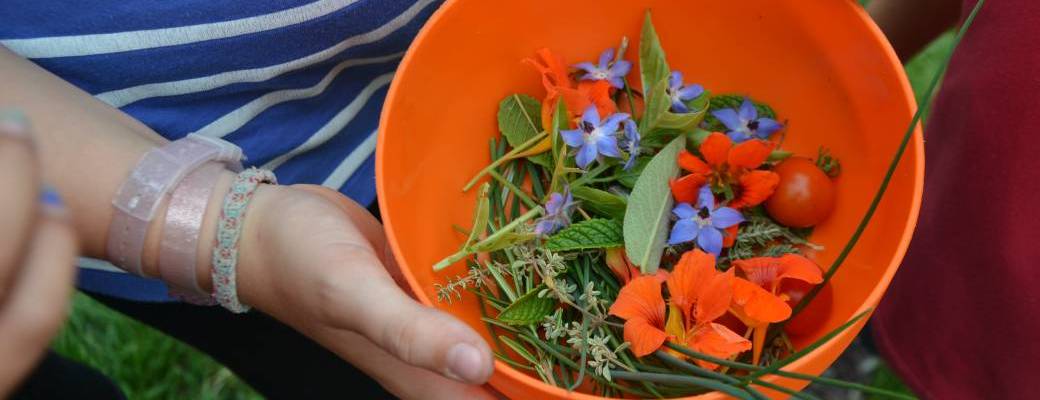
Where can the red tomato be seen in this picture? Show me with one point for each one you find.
(805, 195)
(812, 318)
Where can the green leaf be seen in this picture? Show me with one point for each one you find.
(646, 220)
(480, 215)
(528, 309)
(653, 67)
(657, 105)
(508, 239)
(628, 178)
(592, 234)
(518, 120)
(601, 202)
(732, 101)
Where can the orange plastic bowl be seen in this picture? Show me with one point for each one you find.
(823, 65)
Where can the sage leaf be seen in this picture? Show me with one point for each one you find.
(657, 105)
(628, 178)
(592, 234)
(519, 120)
(649, 206)
(653, 67)
(601, 202)
(528, 309)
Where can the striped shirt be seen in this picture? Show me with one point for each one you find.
(298, 84)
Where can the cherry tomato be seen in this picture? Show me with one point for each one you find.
(805, 195)
(811, 319)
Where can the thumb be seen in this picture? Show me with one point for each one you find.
(418, 335)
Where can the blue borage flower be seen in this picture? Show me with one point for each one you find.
(630, 142)
(704, 223)
(744, 124)
(613, 72)
(594, 137)
(680, 94)
(557, 213)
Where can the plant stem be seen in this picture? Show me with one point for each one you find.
(682, 380)
(507, 157)
(891, 167)
(704, 372)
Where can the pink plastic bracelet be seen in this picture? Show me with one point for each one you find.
(180, 235)
(141, 195)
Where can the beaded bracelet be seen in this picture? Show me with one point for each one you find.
(229, 229)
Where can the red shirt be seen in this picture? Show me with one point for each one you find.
(961, 319)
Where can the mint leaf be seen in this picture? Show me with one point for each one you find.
(646, 220)
(528, 309)
(585, 235)
(518, 120)
(601, 202)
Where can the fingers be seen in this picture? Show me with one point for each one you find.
(418, 335)
(38, 300)
(400, 379)
(18, 177)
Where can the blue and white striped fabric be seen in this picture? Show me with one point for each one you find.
(298, 84)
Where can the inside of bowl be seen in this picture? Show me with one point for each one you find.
(820, 65)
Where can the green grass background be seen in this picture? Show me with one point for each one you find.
(150, 365)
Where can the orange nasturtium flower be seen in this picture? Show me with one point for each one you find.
(756, 300)
(726, 164)
(559, 85)
(699, 295)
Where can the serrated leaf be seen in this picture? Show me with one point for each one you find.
(518, 120)
(528, 309)
(592, 234)
(653, 67)
(601, 202)
(649, 205)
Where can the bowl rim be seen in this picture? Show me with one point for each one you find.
(869, 304)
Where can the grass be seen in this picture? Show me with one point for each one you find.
(150, 365)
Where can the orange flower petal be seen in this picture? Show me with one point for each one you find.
(715, 149)
(644, 336)
(685, 188)
(718, 341)
(750, 154)
(548, 108)
(641, 299)
(693, 164)
(598, 93)
(715, 297)
(690, 275)
(730, 236)
(755, 187)
(757, 305)
(552, 68)
(762, 271)
(798, 267)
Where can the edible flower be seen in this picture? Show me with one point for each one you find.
(680, 94)
(730, 166)
(744, 123)
(623, 268)
(607, 69)
(704, 223)
(594, 137)
(557, 213)
(756, 298)
(630, 142)
(641, 305)
(558, 85)
(700, 294)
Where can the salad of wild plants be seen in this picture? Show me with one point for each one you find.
(640, 236)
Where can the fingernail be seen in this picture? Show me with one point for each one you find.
(13, 123)
(466, 363)
(52, 203)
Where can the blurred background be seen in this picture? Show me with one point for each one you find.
(150, 365)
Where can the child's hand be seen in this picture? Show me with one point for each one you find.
(319, 262)
(37, 260)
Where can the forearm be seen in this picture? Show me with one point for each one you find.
(87, 149)
(911, 24)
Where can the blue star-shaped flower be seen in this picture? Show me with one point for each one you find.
(594, 137)
(744, 124)
(614, 72)
(680, 94)
(704, 223)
